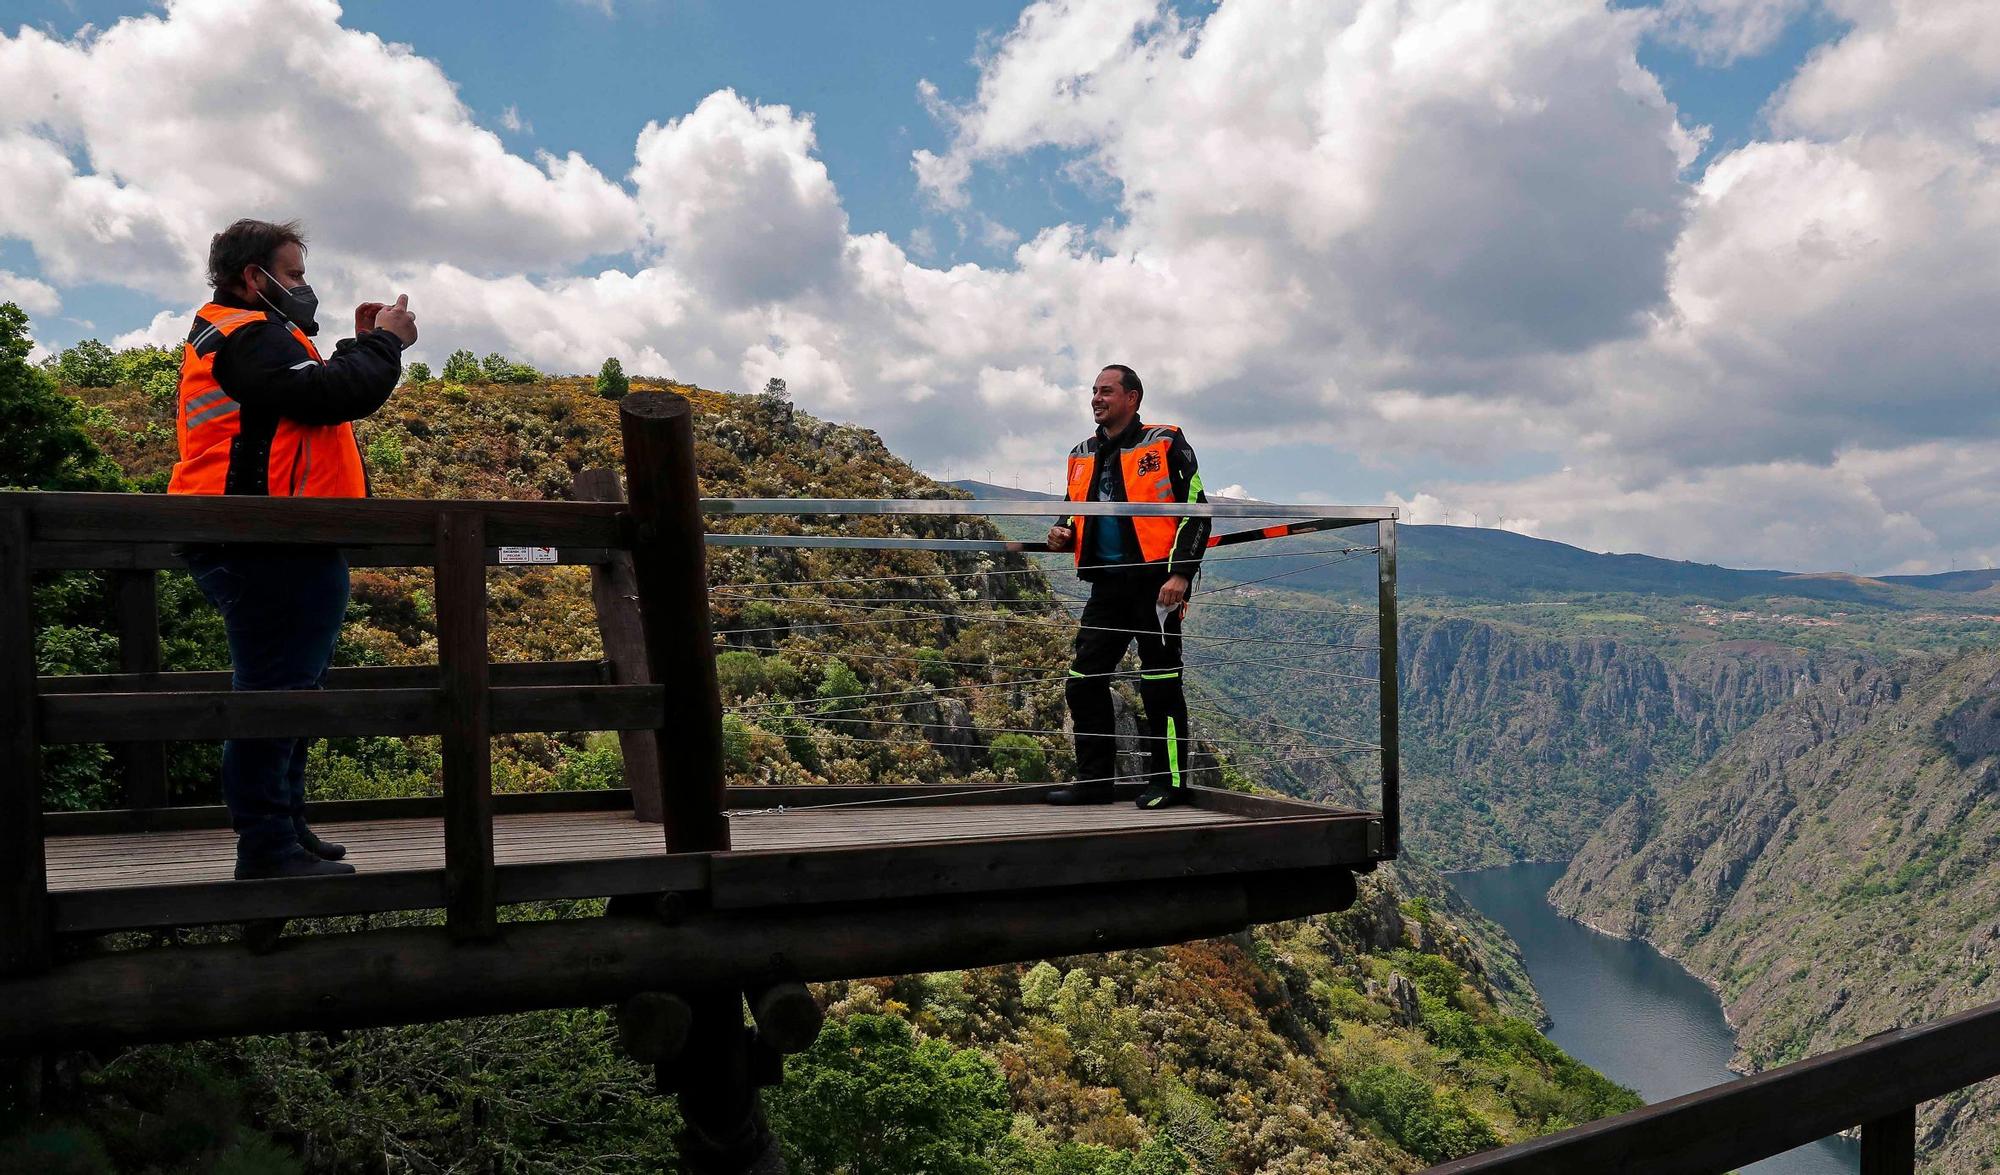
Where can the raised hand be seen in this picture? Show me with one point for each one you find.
(364, 317)
(398, 320)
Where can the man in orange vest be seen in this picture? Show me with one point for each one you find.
(263, 413)
(1140, 571)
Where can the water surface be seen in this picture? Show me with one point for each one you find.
(1624, 1008)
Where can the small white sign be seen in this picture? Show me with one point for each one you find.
(527, 554)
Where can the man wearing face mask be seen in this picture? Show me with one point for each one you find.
(263, 413)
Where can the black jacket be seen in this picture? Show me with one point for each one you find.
(262, 367)
(1190, 540)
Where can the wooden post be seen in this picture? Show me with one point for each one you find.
(470, 893)
(716, 1077)
(1392, 770)
(669, 560)
(615, 591)
(1889, 1144)
(25, 941)
(135, 609)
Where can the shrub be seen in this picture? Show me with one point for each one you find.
(385, 450)
(1021, 754)
(498, 369)
(598, 766)
(1432, 1125)
(417, 373)
(735, 745)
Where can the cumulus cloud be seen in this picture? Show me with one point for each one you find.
(1451, 229)
(36, 297)
(365, 140)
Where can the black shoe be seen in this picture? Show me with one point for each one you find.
(1161, 795)
(295, 862)
(325, 850)
(1081, 794)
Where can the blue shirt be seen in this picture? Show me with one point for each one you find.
(1106, 545)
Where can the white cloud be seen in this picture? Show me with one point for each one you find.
(511, 118)
(734, 198)
(366, 141)
(168, 328)
(35, 297)
(1721, 31)
(1440, 229)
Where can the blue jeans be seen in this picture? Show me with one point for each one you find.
(282, 608)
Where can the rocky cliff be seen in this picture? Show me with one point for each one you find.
(1831, 871)
(1518, 744)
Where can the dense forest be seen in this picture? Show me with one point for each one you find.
(1396, 1034)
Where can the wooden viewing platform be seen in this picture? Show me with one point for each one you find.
(715, 894)
(855, 844)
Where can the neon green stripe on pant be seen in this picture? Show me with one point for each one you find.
(1173, 753)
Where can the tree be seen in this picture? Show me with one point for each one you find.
(89, 364)
(871, 1099)
(462, 367)
(774, 389)
(42, 442)
(611, 381)
(498, 369)
(417, 373)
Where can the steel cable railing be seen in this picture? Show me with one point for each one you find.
(961, 601)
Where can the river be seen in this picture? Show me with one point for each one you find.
(1624, 1008)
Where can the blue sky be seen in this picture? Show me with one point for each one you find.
(1453, 255)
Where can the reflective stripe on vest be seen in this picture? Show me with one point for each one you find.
(1147, 479)
(304, 460)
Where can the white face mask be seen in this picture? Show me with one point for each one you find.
(296, 304)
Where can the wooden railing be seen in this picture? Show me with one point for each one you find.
(463, 699)
(1876, 1085)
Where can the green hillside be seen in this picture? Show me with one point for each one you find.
(1396, 1034)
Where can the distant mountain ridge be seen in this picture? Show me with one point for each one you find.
(1484, 563)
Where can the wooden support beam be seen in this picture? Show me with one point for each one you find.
(90, 718)
(885, 872)
(1889, 1144)
(135, 610)
(653, 1026)
(467, 744)
(669, 560)
(417, 975)
(787, 1016)
(345, 522)
(25, 940)
(716, 1077)
(345, 677)
(614, 589)
(104, 556)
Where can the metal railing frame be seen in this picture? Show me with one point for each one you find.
(1383, 518)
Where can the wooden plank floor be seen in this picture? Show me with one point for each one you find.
(79, 864)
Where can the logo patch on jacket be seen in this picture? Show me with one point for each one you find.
(1150, 463)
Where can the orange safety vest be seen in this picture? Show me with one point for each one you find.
(304, 460)
(1146, 480)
